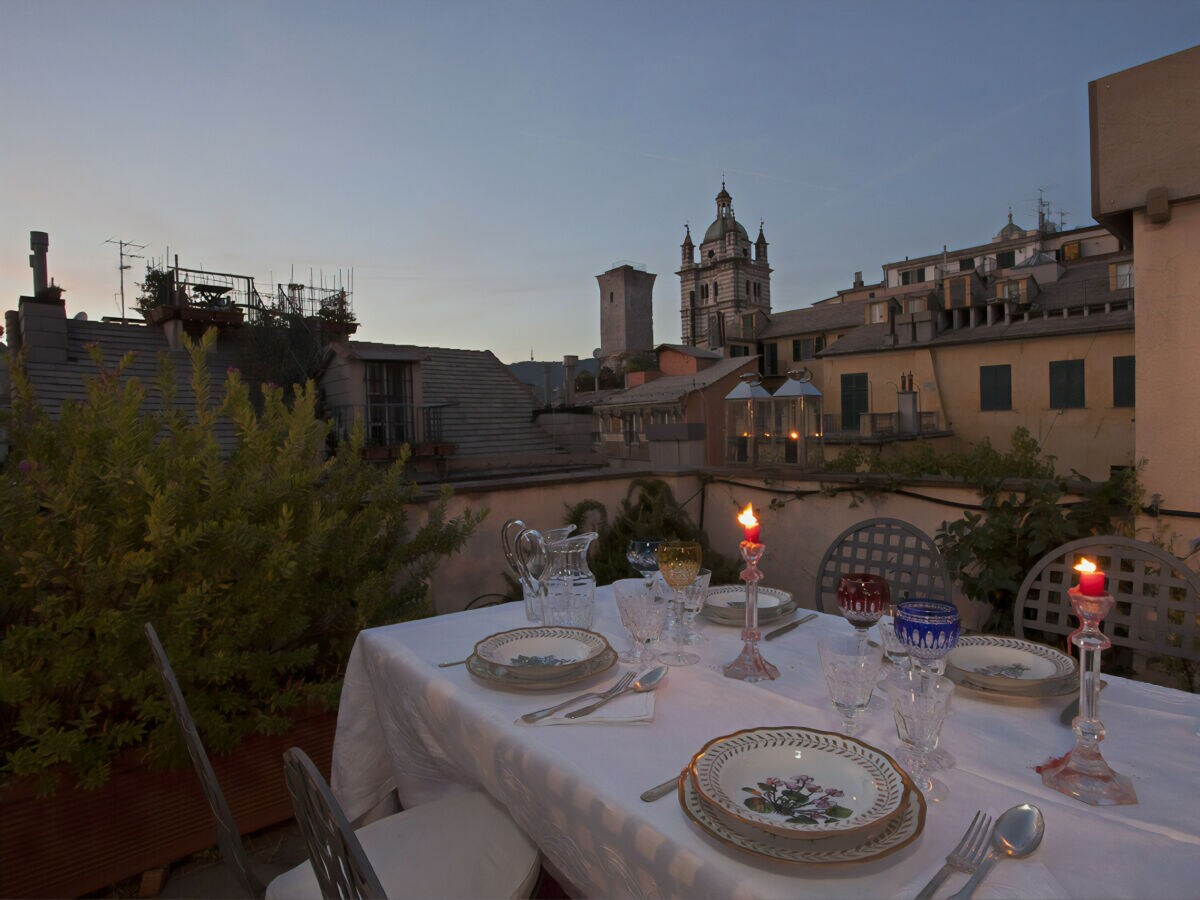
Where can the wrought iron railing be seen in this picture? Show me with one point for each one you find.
(391, 424)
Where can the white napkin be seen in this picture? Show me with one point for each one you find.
(626, 709)
(1009, 878)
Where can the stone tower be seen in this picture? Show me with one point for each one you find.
(626, 313)
(727, 294)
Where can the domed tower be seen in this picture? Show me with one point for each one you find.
(726, 294)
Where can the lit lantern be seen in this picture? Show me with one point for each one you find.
(748, 413)
(800, 406)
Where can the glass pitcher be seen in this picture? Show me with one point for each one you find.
(527, 554)
(568, 585)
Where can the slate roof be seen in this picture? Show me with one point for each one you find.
(488, 410)
(815, 318)
(688, 350)
(57, 383)
(671, 388)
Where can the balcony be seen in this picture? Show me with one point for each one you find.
(881, 428)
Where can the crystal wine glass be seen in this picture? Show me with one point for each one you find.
(679, 564)
(929, 629)
(851, 668)
(694, 596)
(863, 598)
(640, 554)
(643, 612)
(919, 703)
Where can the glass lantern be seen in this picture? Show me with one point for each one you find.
(748, 421)
(799, 405)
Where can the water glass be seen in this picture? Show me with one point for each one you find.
(623, 591)
(919, 702)
(851, 668)
(694, 596)
(694, 593)
(643, 611)
(894, 649)
(929, 629)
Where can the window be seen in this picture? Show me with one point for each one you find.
(879, 312)
(738, 350)
(1011, 291)
(912, 276)
(918, 305)
(716, 290)
(855, 399)
(995, 387)
(771, 359)
(966, 265)
(1006, 260)
(1123, 370)
(1122, 276)
(692, 299)
(748, 327)
(1066, 384)
(806, 348)
(610, 296)
(389, 404)
(710, 254)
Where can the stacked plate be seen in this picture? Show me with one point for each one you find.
(726, 604)
(1011, 667)
(540, 659)
(801, 795)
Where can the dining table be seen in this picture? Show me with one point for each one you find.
(413, 731)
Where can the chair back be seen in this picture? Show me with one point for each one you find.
(902, 553)
(337, 857)
(229, 839)
(1157, 609)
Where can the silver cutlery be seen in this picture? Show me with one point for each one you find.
(784, 629)
(965, 857)
(660, 790)
(1018, 833)
(645, 683)
(619, 685)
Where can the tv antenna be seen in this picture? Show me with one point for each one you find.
(122, 255)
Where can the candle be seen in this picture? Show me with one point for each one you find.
(1091, 579)
(750, 523)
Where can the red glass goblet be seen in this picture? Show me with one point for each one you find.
(863, 598)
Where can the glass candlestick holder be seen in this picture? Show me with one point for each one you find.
(750, 665)
(1083, 773)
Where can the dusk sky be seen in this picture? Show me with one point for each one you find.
(478, 164)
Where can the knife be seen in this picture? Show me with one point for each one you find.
(770, 635)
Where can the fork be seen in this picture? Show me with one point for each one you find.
(966, 856)
(623, 682)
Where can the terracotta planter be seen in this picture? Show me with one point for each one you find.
(76, 842)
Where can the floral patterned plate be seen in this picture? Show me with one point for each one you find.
(1006, 663)
(872, 843)
(726, 604)
(799, 782)
(541, 653)
(502, 676)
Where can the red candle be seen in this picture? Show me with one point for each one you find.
(1091, 579)
(750, 523)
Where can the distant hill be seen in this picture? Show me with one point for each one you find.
(533, 373)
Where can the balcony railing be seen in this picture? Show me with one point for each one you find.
(878, 426)
(391, 424)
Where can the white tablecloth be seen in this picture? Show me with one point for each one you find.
(426, 731)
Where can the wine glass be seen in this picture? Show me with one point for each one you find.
(862, 598)
(643, 613)
(679, 564)
(919, 704)
(929, 629)
(851, 669)
(694, 596)
(640, 554)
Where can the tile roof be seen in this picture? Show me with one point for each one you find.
(672, 388)
(697, 352)
(815, 318)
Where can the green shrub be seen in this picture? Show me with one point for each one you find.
(258, 567)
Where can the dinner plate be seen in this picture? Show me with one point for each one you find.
(1007, 663)
(799, 782)
(541, 652)
(1058, 687)
(502, 677)
(726, 604)
(897, 832)
(737, 617)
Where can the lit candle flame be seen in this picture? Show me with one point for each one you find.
(1086, 566)
(747, 517)
(795, 436)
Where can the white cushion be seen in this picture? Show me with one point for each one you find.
(464, 846)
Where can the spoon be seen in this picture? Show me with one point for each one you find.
(645, 683)
(1018, 833)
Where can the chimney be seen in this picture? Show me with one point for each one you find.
(858, 282)
(569, 364)
(39, 243)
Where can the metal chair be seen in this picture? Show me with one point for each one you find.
(1157, 609)
(463, 846)
(229, 839)
(902, 553)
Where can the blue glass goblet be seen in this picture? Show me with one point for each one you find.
(929, 629)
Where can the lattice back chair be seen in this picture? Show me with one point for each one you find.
(337, 857)
(1157, 609)
(902, 553)
(229, 839)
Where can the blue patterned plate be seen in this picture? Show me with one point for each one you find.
(539, 653)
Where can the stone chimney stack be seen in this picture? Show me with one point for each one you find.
(39, 243)
(858, 282)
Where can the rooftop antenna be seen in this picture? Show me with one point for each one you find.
(121, 266)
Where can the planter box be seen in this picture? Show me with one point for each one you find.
(76, 841)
